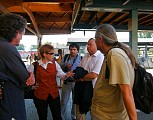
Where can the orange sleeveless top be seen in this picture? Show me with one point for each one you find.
(46, 78)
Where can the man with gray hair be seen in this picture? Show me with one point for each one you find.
(113, 98)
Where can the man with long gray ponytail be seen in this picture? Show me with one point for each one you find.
(113, 98)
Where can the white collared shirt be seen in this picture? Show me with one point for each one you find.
(60, 72)
(93, 63)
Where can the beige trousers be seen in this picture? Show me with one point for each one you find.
(78, 115)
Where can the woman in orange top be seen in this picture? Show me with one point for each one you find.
(46, 92)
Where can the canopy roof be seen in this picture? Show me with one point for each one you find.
(47, 17)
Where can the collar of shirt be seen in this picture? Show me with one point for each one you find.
(94, 55)
(44, 65)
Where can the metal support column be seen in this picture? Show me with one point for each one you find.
(39, 41)
(133, 29)
(146, 49)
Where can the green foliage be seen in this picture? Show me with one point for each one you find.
(21, 47)
(33, 47)
(48, 43)
(145, 35)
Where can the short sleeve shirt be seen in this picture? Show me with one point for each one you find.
(107, 100)
(93, 63)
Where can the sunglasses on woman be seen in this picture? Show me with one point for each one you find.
(50, 53)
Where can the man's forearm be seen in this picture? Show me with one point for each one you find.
(129, 101)
(90, 76)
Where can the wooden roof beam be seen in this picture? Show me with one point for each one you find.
(9, 3)
(114, 17)
(27, 10)
(103, 17)
(124, 2)
(56, 31)
(4, 10)
(93, 14)
(43, 8)
(64, 25)
(28, 28)
(117, 5)
(51, 1)
(80, 14)
(75, 13)
(52, 19)
(145, 18)
(126, 16)
(148, 21)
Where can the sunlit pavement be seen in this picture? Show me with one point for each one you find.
(32, 114)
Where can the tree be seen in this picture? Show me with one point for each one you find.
(21, 47)
(48, 43)
(33, 47)
(145, 35)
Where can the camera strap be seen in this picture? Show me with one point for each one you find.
(68, 58)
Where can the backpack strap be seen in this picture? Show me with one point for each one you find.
(65, 57)
(107, 72)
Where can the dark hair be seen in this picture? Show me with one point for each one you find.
(91, 39)
(9, 25)
(45, 49)
(59, 51)
(76, 45)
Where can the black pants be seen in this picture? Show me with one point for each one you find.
(42, 107)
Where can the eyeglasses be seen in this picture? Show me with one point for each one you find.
(50, 53)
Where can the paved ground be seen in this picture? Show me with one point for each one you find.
(32, 114)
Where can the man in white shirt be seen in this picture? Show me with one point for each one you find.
(91, 63)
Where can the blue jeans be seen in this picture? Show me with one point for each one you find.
(66, 91)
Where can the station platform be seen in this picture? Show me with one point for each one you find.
(32, 113)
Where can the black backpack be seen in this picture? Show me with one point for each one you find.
(143, 90)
